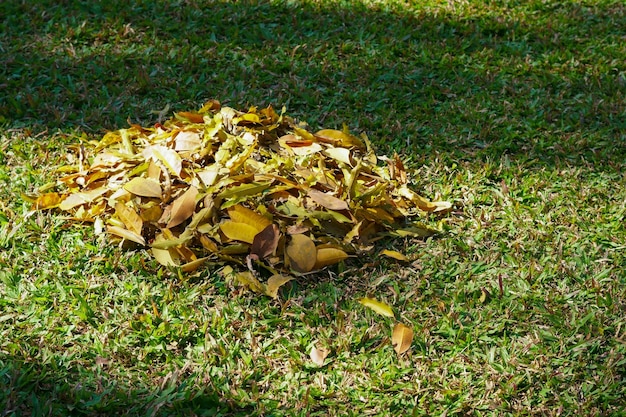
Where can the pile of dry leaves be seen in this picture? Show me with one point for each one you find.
(254, 190)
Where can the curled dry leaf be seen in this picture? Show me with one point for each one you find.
(401, 338)
(318, 356)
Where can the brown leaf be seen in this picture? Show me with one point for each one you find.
(326, 200)
(183, 207)
(401, 338)
(265, 242)
(301, 253)
(129, 217)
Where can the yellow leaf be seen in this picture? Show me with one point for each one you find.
(126, 234)
(378, 306)
(187, 140)
(47, 201)
(326, 200)
(401, 338)
(129, 217)
(193, 265)
(167, 156)
(395, 255)
(274, 283)
(143, 187)
(318, 356)
(301, 253)
(338, 138)
(238, 231)
(241, 214)
(339, 154)
(183, 207)
(247, 279)
(83, 197)
(329, 256)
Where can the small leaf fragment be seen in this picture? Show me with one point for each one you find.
(318, 356)
(401, 338)
(378, 306)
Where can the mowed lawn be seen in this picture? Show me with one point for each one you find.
(515, 111)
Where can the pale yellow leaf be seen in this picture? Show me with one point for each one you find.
(83, 197)
(395, 255)
(168, 157)
(143, 187)
(339, 154)
(318, 356)
(378, 306)
(242, 232)
(129, 217)
(274, 283)
(401, 338)
(187, 141)
(301, 253)
(126, 234)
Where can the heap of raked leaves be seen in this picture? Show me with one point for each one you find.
(255, 191)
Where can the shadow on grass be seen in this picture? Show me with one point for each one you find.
(538, 80)
(35, 389)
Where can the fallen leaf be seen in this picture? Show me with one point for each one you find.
(329, 256)
(274, 283)
(242, 232)
(126, 234)
(395, 255)
(401, 338)
(378, 306)
(326, 200)
(144, 187)
(183, 207)
(301, 253)
(318, 356)
(265, 242)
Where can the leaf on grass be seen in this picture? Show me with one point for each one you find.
(301, 253)
(82, 197)
(274, 283)
(126, 234)
(401, 338)
(129, 217)
(318, 356)
(144, 187)
(47, 201)
(247, 279)
(395, 255)
(329, 256)
(378, 306)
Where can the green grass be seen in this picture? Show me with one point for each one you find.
(514, 110)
